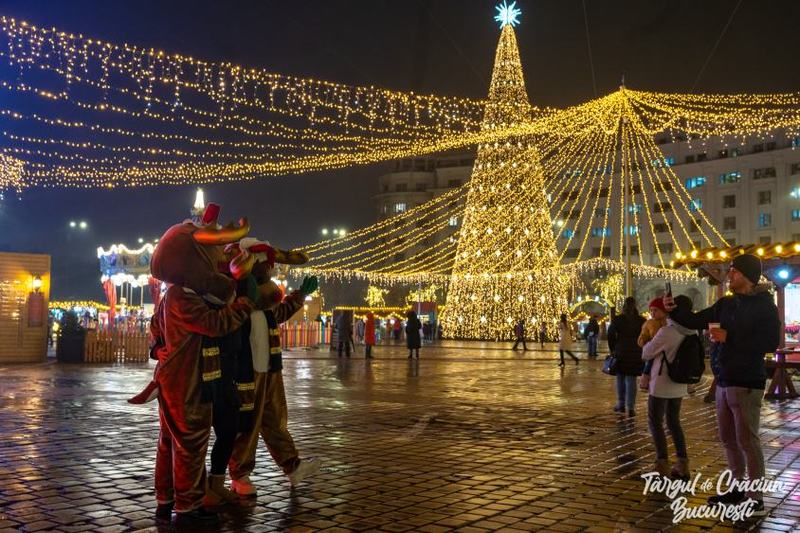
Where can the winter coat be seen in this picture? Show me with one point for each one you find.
(369, 331)
(753, 329)
(564, 336)
(591, 328)
(413, 340)
(649, 330)
(622, 336)
(665, 344)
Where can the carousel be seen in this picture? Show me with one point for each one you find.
(125, 277)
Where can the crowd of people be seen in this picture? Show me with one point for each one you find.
(369, 331)
(737, 332)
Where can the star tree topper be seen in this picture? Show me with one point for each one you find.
(507, 14)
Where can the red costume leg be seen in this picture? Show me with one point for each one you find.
(165, 489)
(189, 425)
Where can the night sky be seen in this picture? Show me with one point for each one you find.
(443, 47)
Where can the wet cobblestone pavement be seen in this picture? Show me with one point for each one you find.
(469, 437)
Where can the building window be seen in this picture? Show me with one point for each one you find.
(702, 157)
(633, 230)
(634, 249)
(771, 145)
(662, 207)
(568, 234)
(666, 186)
(453, 222)
(796, 236)
(401, 187)
(729, 177)
(666, 248)
(661, 227)
(453, 183)
(736, 152)
(421, 186)
(731, 242)
(385, 187)
(635, 209)
(795, 218)
(764, 197)
(695, 204)
(602, 211)
(795, 168)
(601, 232)
(761, 173)
(697, 181)
(571, 195)
(729, 201)
(399, 207)
(385, 208)
(729, 223)
(597, 252)
(694, 226)
(764, 220)
(572, 253)
(758, 148)
(690, 159)
(766, 239)
(722, 154)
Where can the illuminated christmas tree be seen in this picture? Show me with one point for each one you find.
(506, 265)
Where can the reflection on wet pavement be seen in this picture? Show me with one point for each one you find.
(471, 435)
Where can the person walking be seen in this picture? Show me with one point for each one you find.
(360, 328)
(542, 334)
(745, 328)
(623, 334)
(592, 333)
(413, 326)
(565, 339)
(665, 395)
(519, 333)
(369, 335)
(344, 326)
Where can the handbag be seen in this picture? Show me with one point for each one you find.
(610, 365)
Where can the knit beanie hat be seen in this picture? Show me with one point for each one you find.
(658, 303)
(749, 265)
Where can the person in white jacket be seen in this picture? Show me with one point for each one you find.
(665, 395)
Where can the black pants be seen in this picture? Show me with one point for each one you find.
(656, 409)
(346, 345)
(411, 352)
(520, 340)
(561, 353)
(226, 425)
(368, 350)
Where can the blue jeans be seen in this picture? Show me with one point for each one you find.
(626, 391)
(592, 345)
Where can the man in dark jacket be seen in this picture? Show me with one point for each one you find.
(592, 332)
(746, 328)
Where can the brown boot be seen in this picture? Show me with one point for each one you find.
(662, 467)
(216, 492)
(680, 470)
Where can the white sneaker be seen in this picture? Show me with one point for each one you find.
(243, 486)
(307, 467)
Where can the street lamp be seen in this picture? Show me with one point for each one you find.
(324, 231)
(83, 224)
(72, 224)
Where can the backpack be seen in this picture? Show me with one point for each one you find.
(689, 363)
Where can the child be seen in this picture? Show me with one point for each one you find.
(658, 319)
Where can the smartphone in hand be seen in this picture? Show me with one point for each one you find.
(668, 288)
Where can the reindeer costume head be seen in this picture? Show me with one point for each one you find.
(259, 258)
(191, 255)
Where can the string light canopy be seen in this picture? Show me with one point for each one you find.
(548, 185)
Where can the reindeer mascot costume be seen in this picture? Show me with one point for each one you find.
(270, 415)
(188, 258)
